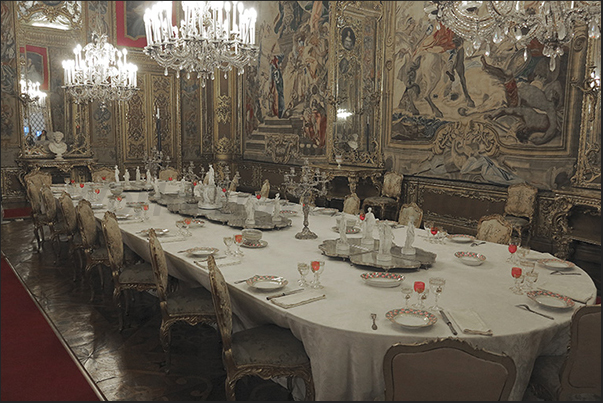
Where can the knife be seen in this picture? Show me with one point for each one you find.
(282, 294)
(448, 322)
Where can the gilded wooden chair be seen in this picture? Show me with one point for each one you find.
(410, 211)
(167, 173)
(95, 252)
(351, 204)
(39, 218)
(391, 191)
(494, 228)
(267, 351)
(520, 207)
(126, 276)
(69, 215)
(461, 372)
(189, 305)
(579, 371)
(103, 172)
(55, 220)
(38, 178)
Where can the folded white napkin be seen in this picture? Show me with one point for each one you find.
(470, 322)
(569, 290)
(220, 261)
(300, 298)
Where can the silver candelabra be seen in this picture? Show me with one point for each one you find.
(311, 183)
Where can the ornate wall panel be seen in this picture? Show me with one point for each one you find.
(191, 119)
(10, 127)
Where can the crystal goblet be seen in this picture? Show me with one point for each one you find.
(516, 273)
(407, 290)
(238, 240)
(228, 241)
(303, 269)
(317, 267)
(437, 286)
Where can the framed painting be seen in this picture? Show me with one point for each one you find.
(129, 22)
(36, 65)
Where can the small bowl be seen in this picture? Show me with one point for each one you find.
(471, 258)
(250, 234)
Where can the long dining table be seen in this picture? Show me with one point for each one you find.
(346, 353)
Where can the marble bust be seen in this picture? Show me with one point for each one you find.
(57, 145)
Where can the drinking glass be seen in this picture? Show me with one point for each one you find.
(514, 243)
(228, 241)
(82, 189)
(96, 190)
(138, 213)
(530, 277)
(317, 267)
(437, 286)
(303, 269)
(118, 202)
(238, 240)
(187, 222)
(516, 274)
(434, 231)
(145, 208)
(419, 287)
(427, 226)
(407, 291)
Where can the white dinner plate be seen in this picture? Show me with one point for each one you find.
(556, 264)
(461, 238)
(202, 251)
(470, 258)
(382, 279)
(254, 244)
(267, 283)
(411, 318)
(550, 299)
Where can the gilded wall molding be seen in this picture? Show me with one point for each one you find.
(67, 14)
(223, 109)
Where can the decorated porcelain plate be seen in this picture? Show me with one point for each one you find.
(197, 223)
(470, 258)
(255, 244)
(202, 251)
(411, 318)
(348, 230)
(381, 279)
(158, 231)
(556, 264)
(461, 238)
(550, 299)
(123, 216)
(267, 283)
(289, 212)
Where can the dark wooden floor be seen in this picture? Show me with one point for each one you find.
(125, 365)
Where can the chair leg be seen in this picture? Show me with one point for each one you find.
(230, 388)
(165, 336)
(117, 303)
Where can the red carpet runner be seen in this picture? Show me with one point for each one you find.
(35, 365)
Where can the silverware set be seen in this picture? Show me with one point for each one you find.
(527, 308)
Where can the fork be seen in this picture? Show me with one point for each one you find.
(527, 308)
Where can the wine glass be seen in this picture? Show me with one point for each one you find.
(238, 240)
(437, 286)
(317, 267)
(138, 213)
(530, 277)
(407, 290)
(516, 274)
(187, 222)
(419, 287)
(427, 224)
(228, 241)
(303, 269)
(118, 202)
(82, 189)
(514, 243)
(145, 208)
(434, 231)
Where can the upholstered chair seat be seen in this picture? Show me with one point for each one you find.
(189, 301)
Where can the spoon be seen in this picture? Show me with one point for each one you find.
(374, 316)
(527, 308)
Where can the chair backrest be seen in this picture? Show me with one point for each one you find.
(494, 228)
(521, 200)
(581, 371)
(392, 185)
(462, 372)
(34, 195)
(38, 178)
(103, 172)
(114, 241)
(408, 211)
(222, 305)
(68, 212)
(49, 203)
(159, 264)
(167, 173)
(87, 224)
(351, 204)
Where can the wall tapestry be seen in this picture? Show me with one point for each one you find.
(289, 80)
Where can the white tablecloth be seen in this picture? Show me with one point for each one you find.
(346, 354)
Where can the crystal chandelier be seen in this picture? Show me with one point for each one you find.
(31, 95)
(102, 75)
(552, 23)
(213, 35)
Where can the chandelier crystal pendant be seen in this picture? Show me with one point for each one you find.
(103, 74)
(552, 23)
(213, 35)
(31, 95)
